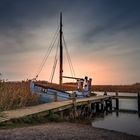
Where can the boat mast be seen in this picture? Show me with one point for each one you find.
(61, 52)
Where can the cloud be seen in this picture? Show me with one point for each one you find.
(102, 31)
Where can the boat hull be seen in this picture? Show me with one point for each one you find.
(51, 95)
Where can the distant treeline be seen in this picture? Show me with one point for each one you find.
(117, 88)
(108, 88)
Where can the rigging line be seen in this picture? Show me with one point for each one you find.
(45, 60)
(55, 63)
(69, 58)
(49, 49)
(48, 53)
(53, 71)
(70, 65)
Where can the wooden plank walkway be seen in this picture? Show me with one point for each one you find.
(19, 113)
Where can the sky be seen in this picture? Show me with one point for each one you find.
(102, 36)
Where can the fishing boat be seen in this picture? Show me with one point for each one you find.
(50, 93)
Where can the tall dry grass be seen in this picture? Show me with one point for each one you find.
(16, 95)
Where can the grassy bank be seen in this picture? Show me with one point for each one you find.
(15, 95)
(31, 120)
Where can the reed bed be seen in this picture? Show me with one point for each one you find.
(15, 95)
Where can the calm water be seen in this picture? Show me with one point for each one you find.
(124, 122)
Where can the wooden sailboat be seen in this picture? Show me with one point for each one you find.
(49, 94)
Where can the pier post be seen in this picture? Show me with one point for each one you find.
(139, 103)
(97, 107)
(102, 106)
(117, 101)
(89, 107)
(93, 107)
(82, 110)
(106, 105)
(74, 104)
(105, 93)
(110, 104)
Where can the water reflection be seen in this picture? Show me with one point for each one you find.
(123, 122)
(128, 121)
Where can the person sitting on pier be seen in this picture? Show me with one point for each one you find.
(80, 84)
(86, 91)
(89, 84)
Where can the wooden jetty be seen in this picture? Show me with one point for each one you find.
(98, 102)
(105, 89)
